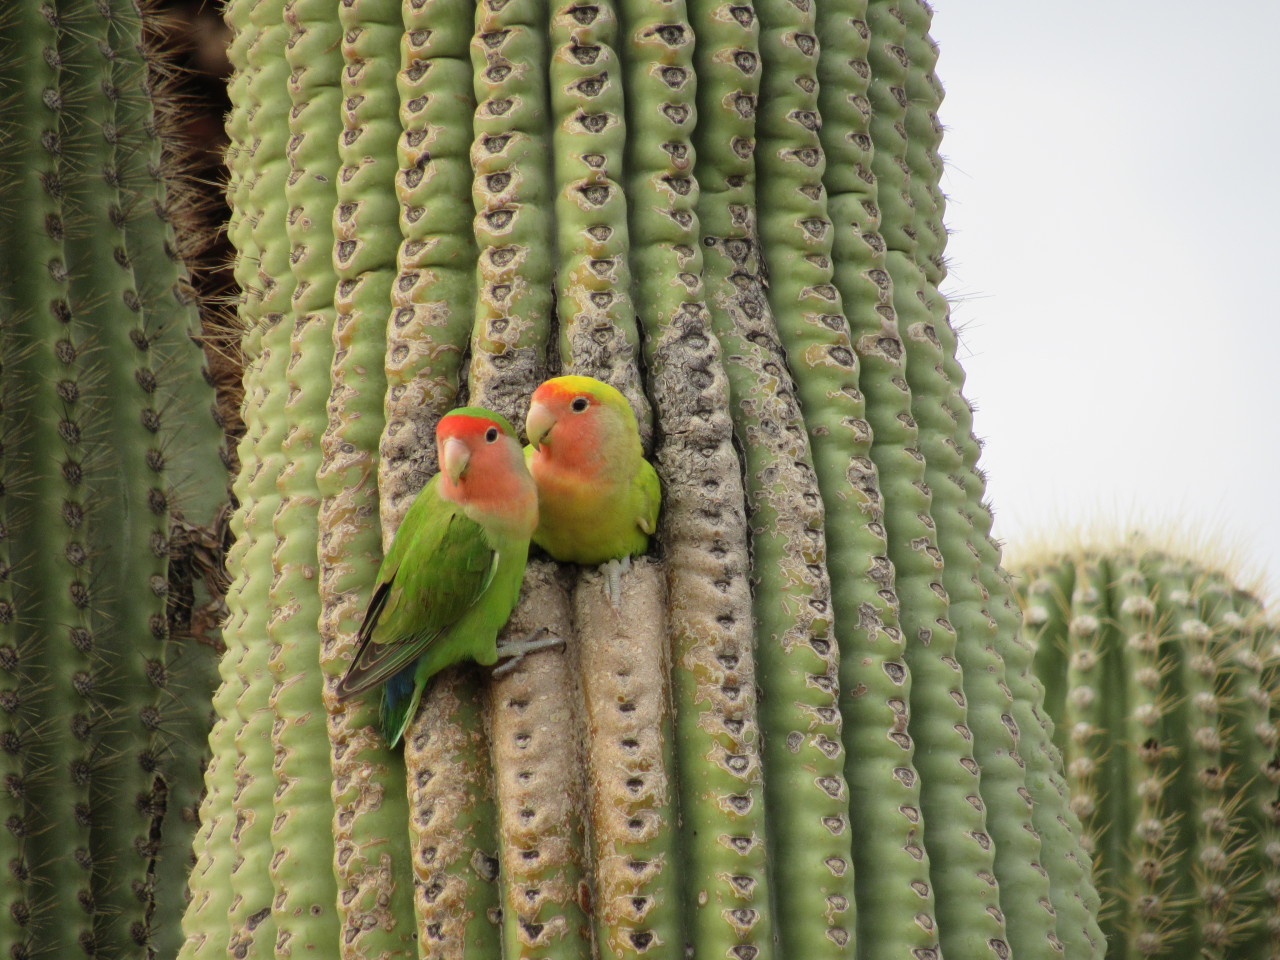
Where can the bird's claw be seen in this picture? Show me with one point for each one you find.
(513, 651)
(612, 570)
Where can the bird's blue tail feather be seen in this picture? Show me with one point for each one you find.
(398, 704)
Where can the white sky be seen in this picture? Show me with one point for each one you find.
(1114, 184)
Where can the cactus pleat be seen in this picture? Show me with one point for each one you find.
(304, 899)
(126, 678)
(792, 593)
(268, 301)
(511, 191)
(1073, 903)
(725, 887)
(874, 671)
(1162, 684)
(453, 819)
(628, 754)
(771, 746)
(961, 854)
(102, 385)
(593, 280)
(369, 817)
(628, 759)
(44, 316)
(432, 319)
(15, 902)
(538, 768)
(205, 923)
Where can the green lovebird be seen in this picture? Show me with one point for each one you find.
(598, 497)
(453, 573)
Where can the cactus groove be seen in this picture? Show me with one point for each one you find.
(771, 746)
(1161, 674)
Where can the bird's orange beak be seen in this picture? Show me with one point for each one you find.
(538, 423)
(454, 458)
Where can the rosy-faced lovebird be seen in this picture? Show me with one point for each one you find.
(598, 497)
(452, 575)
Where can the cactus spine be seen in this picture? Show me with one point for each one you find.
(1159, 673)
(731, 212)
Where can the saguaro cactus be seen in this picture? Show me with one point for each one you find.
(108, 450)
(811, 729)
(1161, 675)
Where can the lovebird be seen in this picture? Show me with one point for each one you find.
(598, 497)
(453, 573)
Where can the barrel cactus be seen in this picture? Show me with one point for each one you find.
(772, 748)
(110, 484)
(1160, 673)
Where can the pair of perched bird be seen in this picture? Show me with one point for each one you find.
(581, 490)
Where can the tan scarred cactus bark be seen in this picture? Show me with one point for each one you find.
(809, 727)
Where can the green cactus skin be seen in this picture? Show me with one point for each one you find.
(252, 926)
(59, 440)
(511, 193)
(629, 757)
(887, 843)
(134, 671)
(1070, 891)
(205, 923)
(790, 588)
(453, 817)
(15, 895)
(1252, 675)
(593, 283)
(961, 854)
(431, 323)
(304, 903)
(1171, 743)
(1200, 783)
(725, 886)
(371, 856)
(1149, 766)
(454, 821)
(950, 453)
(1074, 898)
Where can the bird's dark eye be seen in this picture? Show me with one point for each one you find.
(579, 404)
(491, 435)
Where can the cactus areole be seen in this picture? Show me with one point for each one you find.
(806, 725)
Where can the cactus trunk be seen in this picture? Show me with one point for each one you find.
(1161, 674)
(772, 747)
(109, 449)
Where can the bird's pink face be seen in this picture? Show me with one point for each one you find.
(482, 467)
(469, 444)
(561, 417)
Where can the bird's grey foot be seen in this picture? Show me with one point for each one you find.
(612, 572)
(513, 651)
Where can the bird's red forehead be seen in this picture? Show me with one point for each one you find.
(465, 425)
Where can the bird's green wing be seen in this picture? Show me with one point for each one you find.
(439, 565)
(648, 497)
